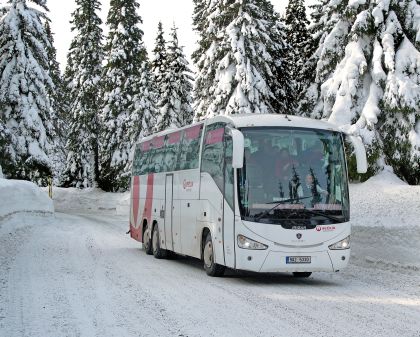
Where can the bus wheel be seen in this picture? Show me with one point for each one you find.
(147, 241)
(302, 274)
(158, 252)
(211, 268)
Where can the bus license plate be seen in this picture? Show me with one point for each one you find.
(298, 259)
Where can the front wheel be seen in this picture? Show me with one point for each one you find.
(158, 252)
(302, 274)
(211, 268)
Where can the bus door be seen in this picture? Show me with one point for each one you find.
(228, 208)
(168, 212)
(218, 187)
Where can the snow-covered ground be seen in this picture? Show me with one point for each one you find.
(78, 274)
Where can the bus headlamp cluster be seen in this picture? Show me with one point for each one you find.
(247, 243)
(340, 245)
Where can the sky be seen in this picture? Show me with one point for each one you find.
(152, 11)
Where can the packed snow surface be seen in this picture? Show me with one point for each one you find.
(78, 274)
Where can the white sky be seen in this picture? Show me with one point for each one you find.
(152, 11)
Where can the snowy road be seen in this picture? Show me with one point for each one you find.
(80, 275)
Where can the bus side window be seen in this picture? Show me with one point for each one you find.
(157, 155)
(136, 161)
(144, 158)
(190, 148)
(213, 153)
(173, 142)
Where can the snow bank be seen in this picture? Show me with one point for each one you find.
(91, 200)
(17, 196)
(385, 200)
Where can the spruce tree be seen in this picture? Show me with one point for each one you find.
(27, 134)
(125, 60)
(142, 121)
(175, 101)
(367, 78)
(299, 40)
(159, 60)
(58, 105)
(242, 68)
(206, 20)
(81, 77)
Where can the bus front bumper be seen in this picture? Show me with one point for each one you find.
(281, 261)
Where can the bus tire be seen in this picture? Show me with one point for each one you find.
(211, 268)
(158, 252)
(147, 241)
(302, 274)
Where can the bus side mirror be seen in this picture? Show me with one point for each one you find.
(238, 149)
(360, 152)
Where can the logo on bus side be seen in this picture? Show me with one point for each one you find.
(187, 184)
(325, 228)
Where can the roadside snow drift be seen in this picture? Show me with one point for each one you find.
(91, 200)
(17, 196)
(385, 201)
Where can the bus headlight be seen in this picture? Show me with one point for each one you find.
(343, 244)
(246, 243)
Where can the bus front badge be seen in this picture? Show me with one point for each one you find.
(299, 236)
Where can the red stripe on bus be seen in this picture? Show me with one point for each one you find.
(158, 142)
(215, 136)
(136, 198)
(147, 212)
(174, 138)
(146, 145)
(193, 132)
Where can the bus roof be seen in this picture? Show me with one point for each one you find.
(257, 120)
(261, 120)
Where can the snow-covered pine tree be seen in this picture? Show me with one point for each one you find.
(58, 105)
(142, 121)
(325, 51)
(398, 39)
(175, 101)
(300, 42)
(368, 77)
(82, 76)
(205, 23)
(125, 59)
(240, 67)
(25, 87)
(159, 60)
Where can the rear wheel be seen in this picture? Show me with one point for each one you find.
(302, 274)
(147, 241)
(211, 268)
(158, 252)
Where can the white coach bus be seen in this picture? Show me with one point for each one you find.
(263, 193)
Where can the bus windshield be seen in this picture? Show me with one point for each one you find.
(293, 177)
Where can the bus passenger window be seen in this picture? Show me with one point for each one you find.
(190, 148)
(173, 142)
(213, 154)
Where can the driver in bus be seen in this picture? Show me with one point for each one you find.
(308, 188)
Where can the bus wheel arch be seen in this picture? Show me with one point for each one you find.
(211, 267)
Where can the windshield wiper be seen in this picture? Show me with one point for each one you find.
(331, 217)
(278, 203)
